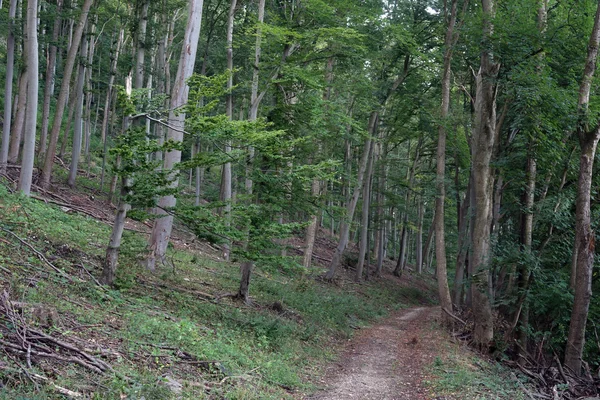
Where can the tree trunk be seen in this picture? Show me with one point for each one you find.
(8, 84)
(584, 235)
(161, 230)
(364, 224)
(382, 237)
(351, 207)
(244, 290)
(109, 267)
(402, 257)
(419, 239)
(16, 134)
(78, 126)
(440, 237)
(484, 138)
(226, 182)
(141, 46)
(463, 245)
(31, 52)
(46, 174)
(312, 228)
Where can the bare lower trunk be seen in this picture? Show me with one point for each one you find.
(382, 237)
(244, 290)
(364, 224)
(31, 51)
(463, 245)
(16, 134)
(8, 84)
(109, 267)
(311, 230)
(419, 239)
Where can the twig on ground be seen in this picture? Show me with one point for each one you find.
(454, 316)
(523, 388)
(38, 254)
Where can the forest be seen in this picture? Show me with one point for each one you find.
(441, 142)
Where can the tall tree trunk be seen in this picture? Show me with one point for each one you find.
(16, 134)
(78, 127)
(63, 95)
(484, 138)
(226, 170)
(161, 230)
(255, 99)
(31, 52)
(419, 239)
(402, 257)
(89, 94)
(463, 246)
(382, 237)
(351, 207)
(49, 84)
(141, 46)
(364, 223)
(8, 84)
(312, 228)
(527, 215)
(584, 235)
(440, 237)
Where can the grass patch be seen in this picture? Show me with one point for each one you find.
(459, 375)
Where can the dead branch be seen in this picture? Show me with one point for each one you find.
(38, 254)
(454, 316)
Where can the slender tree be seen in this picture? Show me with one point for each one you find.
(161, 230)
(31, 53)
(584, 235)
(440, 237)
(8, 84)
(484, 138)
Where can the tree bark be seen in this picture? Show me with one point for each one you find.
(8, 84)
(484, 138)
(161, 230)
(584, 235)
(31, 52)
(46, 174)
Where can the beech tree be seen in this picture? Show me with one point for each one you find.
(161, 230)
(31, 52)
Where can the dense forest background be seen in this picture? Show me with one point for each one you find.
(451, 136)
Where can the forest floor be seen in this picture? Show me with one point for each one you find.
(173, 335)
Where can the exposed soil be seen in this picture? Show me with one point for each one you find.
(386, 361)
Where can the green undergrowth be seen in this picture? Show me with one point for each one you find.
(459, 374)
(158, 328)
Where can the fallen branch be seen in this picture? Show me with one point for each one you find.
(454, 316)
(523, 388)
(39, 254)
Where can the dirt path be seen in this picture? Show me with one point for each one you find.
(385, 362)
